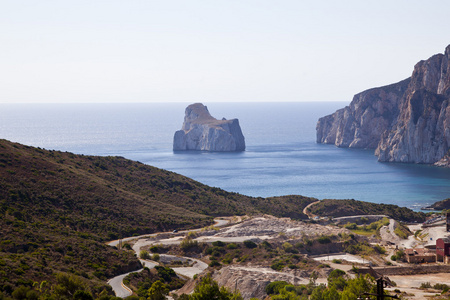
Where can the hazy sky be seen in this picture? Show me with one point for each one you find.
(212, 50)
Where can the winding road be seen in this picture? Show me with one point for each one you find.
(122, 291)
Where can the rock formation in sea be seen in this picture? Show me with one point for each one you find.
(201, 131)
(408, 121)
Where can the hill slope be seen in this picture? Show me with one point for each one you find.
(350, 207)
(57, 209)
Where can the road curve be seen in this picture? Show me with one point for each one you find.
(306, 210)
(118, 287)
(122, 291)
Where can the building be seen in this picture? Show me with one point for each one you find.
(443, 250)
(419, 255)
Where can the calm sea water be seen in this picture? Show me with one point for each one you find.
(282, 157)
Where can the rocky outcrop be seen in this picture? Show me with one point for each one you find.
(408, 121)
(201, 131)
(251, 281)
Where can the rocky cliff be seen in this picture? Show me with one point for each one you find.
(201, 131)
(408, 121)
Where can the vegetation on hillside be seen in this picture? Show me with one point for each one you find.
(441, 205)
(57, 209)
(342, 208)
(142, 282)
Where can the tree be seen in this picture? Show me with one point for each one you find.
(157, 291)
(337, 279)
(331, 294)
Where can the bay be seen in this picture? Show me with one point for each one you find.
(281, 158)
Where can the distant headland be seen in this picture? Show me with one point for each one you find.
(203, 132)
(408, 121)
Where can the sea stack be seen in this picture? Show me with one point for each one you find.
(408, 121)
(202, 132)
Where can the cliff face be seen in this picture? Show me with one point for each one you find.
(405, 122)
(201, 131)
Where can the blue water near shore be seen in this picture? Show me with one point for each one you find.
(281, 158)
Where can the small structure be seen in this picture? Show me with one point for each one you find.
(419, 255)
(443, 250)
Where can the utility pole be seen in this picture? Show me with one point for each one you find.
(380, 290)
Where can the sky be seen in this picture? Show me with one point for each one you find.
(85, 51)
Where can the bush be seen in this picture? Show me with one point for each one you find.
(191, 235)
(218, 244)
(232, 246)
(188, 244)
(144, 254)
(278, 265)
(425, 285)
(324, 239)
(287, 247)
(214, 263)
(379, 249)
(249, 244)
(398, 256)
(274, 288)
(154, 249)
(441, 286)
(351, 226)
(336, 261)
(155, 257)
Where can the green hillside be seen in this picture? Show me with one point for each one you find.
(350, 207)
(57, 209)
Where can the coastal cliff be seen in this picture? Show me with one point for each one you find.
(408, 121)
(201, 131)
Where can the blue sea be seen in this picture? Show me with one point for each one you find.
(282, 157)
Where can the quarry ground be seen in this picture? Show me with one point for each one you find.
(251, 279)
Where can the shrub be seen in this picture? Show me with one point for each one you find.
(425, 285)
(351, 226)
(214, 263)
(441, 286)
(266, 245)
(154, 249)
(337, 261)
(191, 235)
(274, 288)
(287, 247)
(379, 249)
(278, 265)
(249, 244)
(155, 257)
(232, 246)
(218, 244)
(188, 244)
(324, 239)
(398, 256)
(144, 254)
